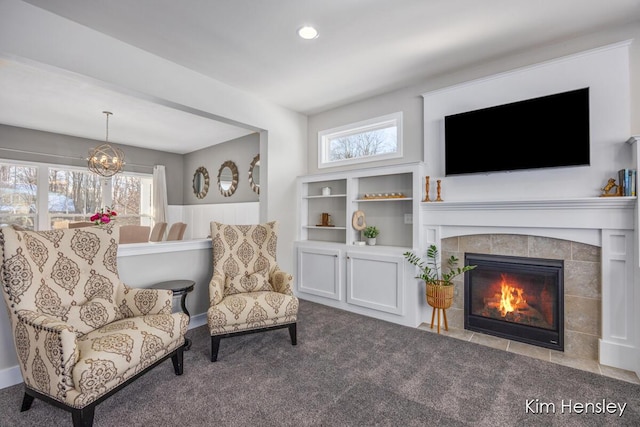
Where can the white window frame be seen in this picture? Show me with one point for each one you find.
(42, 220)
(325, 137)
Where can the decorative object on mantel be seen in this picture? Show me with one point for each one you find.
(325, 220)
(371, 232)
(439, 284)
(106, 160)
(439, 199)
(370, 196)
(426, 189)
(611, 189)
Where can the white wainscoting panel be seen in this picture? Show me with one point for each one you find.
(198, 217)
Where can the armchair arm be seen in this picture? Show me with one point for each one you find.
(216, 288)
(134, 302)
(47, 352)
(281, 281)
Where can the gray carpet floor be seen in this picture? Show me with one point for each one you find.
(349, 370)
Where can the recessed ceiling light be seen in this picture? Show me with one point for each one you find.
(308, 33)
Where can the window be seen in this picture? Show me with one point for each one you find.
(366, 141)
(73, 194)
(131, 199)
(18, 189)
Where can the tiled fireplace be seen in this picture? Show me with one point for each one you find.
(582, 297)
(591, 237)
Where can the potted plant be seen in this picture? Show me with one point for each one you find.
(371, 232)
(440, 289)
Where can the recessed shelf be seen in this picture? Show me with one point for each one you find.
(324, 197)
(320, 227)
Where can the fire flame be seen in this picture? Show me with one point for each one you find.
(511, 297)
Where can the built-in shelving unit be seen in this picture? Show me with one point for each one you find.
(332, 267)
(392, 214)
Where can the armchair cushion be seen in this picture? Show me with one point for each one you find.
(247, 282)
(252, 310)
(123, 348)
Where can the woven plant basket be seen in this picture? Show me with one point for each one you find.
(440, 296)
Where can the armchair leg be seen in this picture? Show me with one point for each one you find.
(215, 346)
(27, 400)
(83, 417)
(293, 333)
(177, 359)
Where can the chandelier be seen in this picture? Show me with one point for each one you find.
(106, 160)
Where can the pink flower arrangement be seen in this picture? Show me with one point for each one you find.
(103, 216)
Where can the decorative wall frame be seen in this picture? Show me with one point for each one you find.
(201, 182)
(254, 174)
(228, 178)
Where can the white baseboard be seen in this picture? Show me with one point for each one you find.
(12, 376)
(619, 356)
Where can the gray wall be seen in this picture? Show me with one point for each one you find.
(241, 151)
(45, 147)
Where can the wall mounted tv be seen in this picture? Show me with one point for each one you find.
(547, 132)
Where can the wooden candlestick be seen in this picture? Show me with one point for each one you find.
(426, 190)
(439, 199)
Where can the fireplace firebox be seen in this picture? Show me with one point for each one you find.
(517, 298)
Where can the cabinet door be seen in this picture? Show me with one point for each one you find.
(319, 272)
(376, 281)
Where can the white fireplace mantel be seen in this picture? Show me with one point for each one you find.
(607, 222)
(580, 219)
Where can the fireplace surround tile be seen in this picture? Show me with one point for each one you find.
(509, 245)
(582, 315)
(582, 279)
(583, 252)
(544, 247)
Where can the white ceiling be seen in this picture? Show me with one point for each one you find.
(365, 47)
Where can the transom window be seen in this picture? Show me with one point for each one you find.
(42, 197)
(370, 140)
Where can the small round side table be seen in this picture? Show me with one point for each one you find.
(180, 288)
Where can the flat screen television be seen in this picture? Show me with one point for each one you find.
(547, 132)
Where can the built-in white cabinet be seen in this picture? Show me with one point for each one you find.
(376, 281)
(333, 267)
(319, 271)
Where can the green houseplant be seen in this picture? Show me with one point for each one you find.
(371, 232)
(431, 271)
(439, 283)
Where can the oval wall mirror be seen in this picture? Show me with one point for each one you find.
(201, 182)
(228, 178)
(254, 174)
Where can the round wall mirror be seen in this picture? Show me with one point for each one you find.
(254, 174)
(228, 178)
(201, 182)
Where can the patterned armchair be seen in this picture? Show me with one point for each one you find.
(80, 333)
(248, 292)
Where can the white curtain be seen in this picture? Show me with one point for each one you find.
(159, 194)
